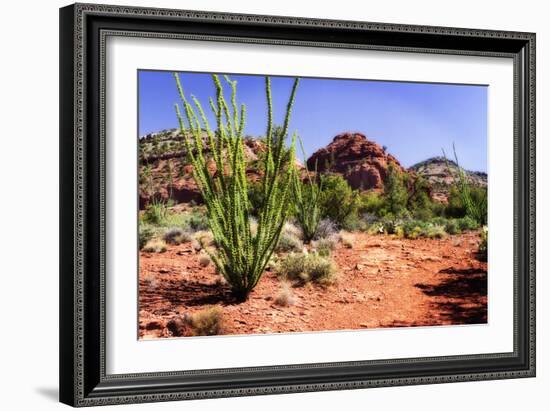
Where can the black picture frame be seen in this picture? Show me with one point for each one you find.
(83, 29)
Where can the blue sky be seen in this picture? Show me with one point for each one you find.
(413, 120)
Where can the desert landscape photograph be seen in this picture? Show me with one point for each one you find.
(284, 204)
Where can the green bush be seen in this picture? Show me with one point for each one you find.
(155, 213)
(435, 231)
(467, 223)
(391, 224)
(370, 202)
(454, 207)
(197, 221)
(473, 199)
(419, 202)
(453, 226)
(338, 201)
(395, 192)
(414, 229)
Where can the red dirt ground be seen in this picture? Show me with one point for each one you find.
(383, 282)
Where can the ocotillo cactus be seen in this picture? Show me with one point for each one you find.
(241, 253)
(307, 201)
(476, 208)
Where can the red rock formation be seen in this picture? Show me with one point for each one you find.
(363, 163)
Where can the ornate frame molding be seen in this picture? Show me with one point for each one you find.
(83, 378)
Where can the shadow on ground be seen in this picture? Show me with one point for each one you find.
(461, 295)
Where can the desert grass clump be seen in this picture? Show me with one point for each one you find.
(204, 260)
(347, 239)
(285, 297)
(240, 256)
(155, 246)
(303, 268)
(325, 246)
(196, 221)
(326, 228)
(150, 280)
(483, 244)
(176, 235)
(293, 267)
(436, 231)
(146, 233)
(205, 239)
(321, 269)
(289, 239)
(155, 213)
(208, 321)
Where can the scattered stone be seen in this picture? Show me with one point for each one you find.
(177, 326)
(154, 325)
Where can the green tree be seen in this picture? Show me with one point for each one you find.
(419, 201)
(339, 201)
(395, 192)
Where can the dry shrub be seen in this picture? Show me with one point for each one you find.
(204, 260)
(321, 270)
(325, 246)
(176, 235)
(308, 267)
(347, 239)
(208, 321)
(155, 246)
(205, 238)
(285, 296)
(290, 239)
(150, 280)
(326, 228)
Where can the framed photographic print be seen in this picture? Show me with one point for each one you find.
(261, 204)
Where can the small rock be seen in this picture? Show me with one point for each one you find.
(178, 326)
(154, 325)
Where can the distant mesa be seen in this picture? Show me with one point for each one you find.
(164, 172)
(362, 162)
(442, 173)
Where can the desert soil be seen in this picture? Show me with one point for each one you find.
(383, 282)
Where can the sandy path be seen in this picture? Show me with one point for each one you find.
(383, 282)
